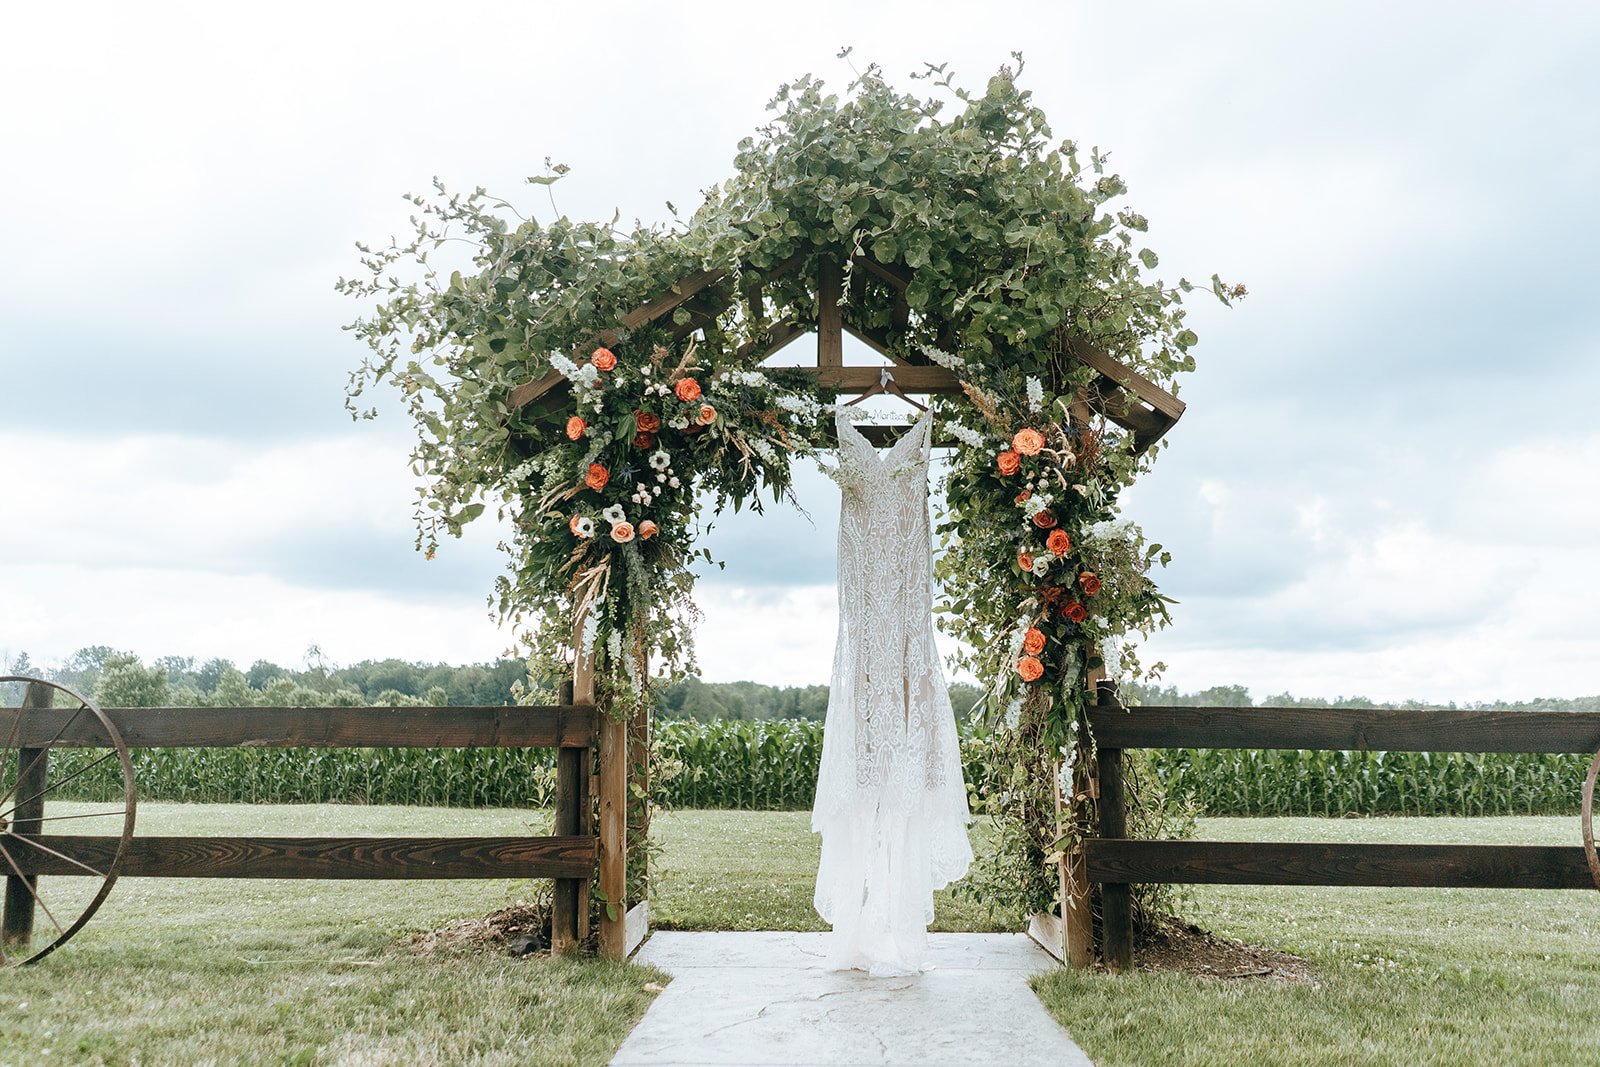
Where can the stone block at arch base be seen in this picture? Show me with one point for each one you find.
(763, 998)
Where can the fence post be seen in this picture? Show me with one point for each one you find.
(613, 804)
(33, 765)
(568, 891)
(1116, 898)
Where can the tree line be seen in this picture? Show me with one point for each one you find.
(122, 679)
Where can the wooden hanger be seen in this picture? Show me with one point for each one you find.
(886, 384)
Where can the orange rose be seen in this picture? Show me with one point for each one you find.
(1024, 496)
(604, 359)
(1033, 641)
(575, 428)
(622, 533)
(1030, 669)
(1045, 519)
(1075, 611)
(642, 439)
(1028, 442)
(1058, 542)
(646, 422)
(647, 530)
(597, 477)
(1090, 582)
(707, 415)
(688, 390)
(1025, 561)
(1009, 463)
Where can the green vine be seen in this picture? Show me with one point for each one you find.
(997, 248)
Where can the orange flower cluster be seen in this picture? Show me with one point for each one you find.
(597, 477)
(1045, 520)
(575, 428)
(1058, 542)
(1033, 641)
(622, 533)
(1028, 442)
(646, 422)
(1009, 463)
(1030, 668)
(603, 359)
(706, 415)
(688, 390)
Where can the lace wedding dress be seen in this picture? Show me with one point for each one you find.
(891, 804)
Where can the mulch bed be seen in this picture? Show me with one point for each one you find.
(520, 930)
(1186, 948)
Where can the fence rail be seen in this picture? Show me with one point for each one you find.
(569, 856)
(549, 726)
(1115, 861)
(1360, 729)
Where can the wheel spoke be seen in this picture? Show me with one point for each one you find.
(32, 884)
(44, 751)
(58, 783)
(85, 815)
(59, 855)
(5, 753)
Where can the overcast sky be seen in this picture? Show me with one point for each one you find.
(1386, 482)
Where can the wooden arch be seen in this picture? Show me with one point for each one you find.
(1118, 393)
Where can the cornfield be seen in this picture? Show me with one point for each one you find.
(768, 765)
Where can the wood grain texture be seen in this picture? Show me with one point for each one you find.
(316, 857)
(364, 727)
(1274, 863)
(1372, 729)
(830, 336)
(909, 379)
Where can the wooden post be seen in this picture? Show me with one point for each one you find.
(613, 804)
(1116, 898)
(830, 327)
(1076, 919)
(33, 766)
(569, 892)
(639, 801)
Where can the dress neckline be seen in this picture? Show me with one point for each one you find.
(883, 459)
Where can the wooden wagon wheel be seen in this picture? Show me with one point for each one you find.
(50, 742)
(1588, 820)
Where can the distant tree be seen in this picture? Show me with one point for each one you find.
(210, 674)
(125, 682)
(262, 672)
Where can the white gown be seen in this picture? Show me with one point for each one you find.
(891, 804)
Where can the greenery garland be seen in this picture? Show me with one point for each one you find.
(1013, 249)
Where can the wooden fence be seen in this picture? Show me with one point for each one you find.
(1117, 862)
(568, 855)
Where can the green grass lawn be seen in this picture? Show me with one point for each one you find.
(195, 971)
(1405, 976)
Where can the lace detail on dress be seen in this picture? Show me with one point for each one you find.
(891, 802)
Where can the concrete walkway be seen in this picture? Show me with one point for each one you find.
(763, 999)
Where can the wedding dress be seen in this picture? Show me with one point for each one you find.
(891, 803)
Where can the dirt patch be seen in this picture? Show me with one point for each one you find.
(1179, 946)
(521, 930)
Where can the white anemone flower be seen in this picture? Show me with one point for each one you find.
(660, 461)
(614, 514)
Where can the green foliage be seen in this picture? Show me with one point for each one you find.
(1016, 249)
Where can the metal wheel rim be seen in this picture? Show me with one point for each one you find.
(112, 871)
(1588, 820)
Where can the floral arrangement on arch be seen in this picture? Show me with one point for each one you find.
(608, 485)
